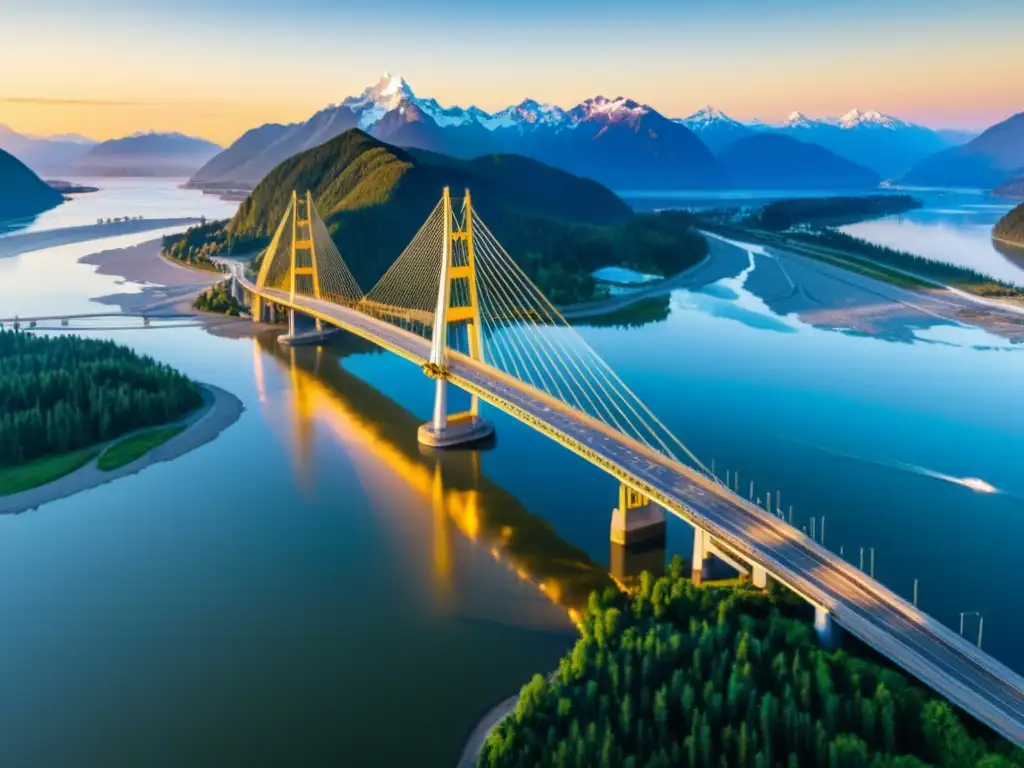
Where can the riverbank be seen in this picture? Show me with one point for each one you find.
(719, 263)
(169, 287)
(16, 244)
(219, 411)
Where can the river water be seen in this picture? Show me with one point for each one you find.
(312, 589)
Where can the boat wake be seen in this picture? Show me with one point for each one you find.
(976, 484)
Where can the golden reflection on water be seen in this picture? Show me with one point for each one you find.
(376, 432)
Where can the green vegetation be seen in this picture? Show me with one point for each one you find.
(653, 309)
(32, 474)
(374, 197)
(196, 244)
(60, 394)
(1010, 228)
(783, 214)
(217, 298)
(678, 675)
(131, 448)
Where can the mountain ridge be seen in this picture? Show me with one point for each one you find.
(22, 192)
(987, 161)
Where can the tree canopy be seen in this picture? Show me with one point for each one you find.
(714, 677)
(61, 393)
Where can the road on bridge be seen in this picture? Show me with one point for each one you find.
(932, 652)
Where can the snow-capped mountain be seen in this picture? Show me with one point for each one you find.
(871, 119)
(881, 142)
(615, 140)
(715, 128)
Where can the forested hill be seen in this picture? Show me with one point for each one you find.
(1011, 227)
(22, 193)
(355, 172)
(374, 197)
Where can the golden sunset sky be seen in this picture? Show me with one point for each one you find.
(109, 68)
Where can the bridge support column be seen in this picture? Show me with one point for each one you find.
(822, 624)
(698, 567)
(758, 576)
(637, 520)
(446, 430)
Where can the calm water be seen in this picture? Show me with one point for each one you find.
(310, 588)
(953, 226)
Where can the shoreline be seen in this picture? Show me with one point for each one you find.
(168, 287)
(17, 243)
(220, 410)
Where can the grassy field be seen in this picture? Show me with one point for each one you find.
(44, 470)
(130, 449)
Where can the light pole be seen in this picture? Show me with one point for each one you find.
(981, 622)
(915, 593)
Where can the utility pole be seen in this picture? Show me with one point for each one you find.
(751, 490)
(872, 562)
(821, 535)
(862, 558)
(915, 593)
(812, 527)
(981, 621)
(768, 503)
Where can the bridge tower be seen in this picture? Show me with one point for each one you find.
(446, 430)
(303, 259)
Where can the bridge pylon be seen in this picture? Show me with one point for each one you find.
(458, 278)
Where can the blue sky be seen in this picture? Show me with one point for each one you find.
(216, 68)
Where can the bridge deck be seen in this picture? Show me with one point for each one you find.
(929, 650)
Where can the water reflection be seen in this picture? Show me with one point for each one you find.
(375, 430)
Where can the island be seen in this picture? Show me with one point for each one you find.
(674, 674)
(373, 197)
(832, 211)
(1009, 230)
(70, 405)
(70, 188)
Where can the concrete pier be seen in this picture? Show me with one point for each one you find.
(759, 576)
(701, 555)
(823, 624)
(445, 431)
(639, 525)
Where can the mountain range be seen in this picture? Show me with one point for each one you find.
(146, 154)
(141, 154)
(616, 141)
(44, 155)
(992, 159)
(22, 193)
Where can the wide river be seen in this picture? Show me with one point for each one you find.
(312, 589)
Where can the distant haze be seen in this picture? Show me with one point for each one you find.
(213, 69)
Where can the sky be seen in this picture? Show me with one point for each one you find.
(108, 68)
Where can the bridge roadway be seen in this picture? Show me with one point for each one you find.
(927, 649)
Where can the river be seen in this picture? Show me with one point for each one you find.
(312, 589)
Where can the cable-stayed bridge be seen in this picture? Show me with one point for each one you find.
(457, 304)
